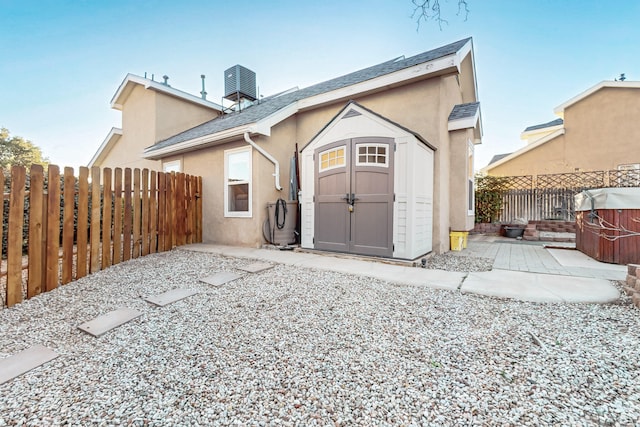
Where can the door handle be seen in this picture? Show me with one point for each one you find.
(353, 199)
(347, 197)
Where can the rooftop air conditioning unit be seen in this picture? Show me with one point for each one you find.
(239, 82)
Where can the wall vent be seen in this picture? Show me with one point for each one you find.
(239, 82)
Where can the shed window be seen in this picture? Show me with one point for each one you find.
(372, 155)
(333, 158)
(237, 176)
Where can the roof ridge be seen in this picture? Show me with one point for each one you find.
(267, 107)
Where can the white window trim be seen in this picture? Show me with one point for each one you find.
(172, 166)
(233, 214)
(380, 165)
(321, 169)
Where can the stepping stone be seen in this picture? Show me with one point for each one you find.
(219, 279)
(256, 267)
(170, 296)
(16, 365)
(111, 320)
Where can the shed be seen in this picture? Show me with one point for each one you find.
(608, 224)
(367, 187)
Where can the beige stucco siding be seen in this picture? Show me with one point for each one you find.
(467, 81)
(209, 163)
(544, 159)
(175, 116)
(148, 117)
(603, 130)
(601, 133)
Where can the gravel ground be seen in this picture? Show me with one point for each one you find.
(292, 346)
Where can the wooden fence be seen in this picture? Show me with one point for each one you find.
(58, 228)
(551, 196)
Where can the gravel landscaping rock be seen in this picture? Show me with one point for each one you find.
(293, 346)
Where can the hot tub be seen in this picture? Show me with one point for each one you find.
(608, 224)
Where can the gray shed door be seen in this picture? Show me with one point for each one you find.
(354, 196)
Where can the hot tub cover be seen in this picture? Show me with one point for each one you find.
(608, 198)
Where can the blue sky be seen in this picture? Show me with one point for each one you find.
(62, 61)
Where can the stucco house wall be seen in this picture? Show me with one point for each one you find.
(149, 116)
(601, 131)
(420, 103)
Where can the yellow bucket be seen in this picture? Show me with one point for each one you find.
(458, 240)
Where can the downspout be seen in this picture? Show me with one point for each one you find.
(269, 157)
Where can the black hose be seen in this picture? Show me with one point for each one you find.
(279, 224)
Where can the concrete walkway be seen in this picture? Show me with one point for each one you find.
(522, 270)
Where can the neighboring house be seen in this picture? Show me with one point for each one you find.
(597, 130)
(151, 111)
(386, 156)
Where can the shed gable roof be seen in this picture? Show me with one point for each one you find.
(273, 107)
(353, 109)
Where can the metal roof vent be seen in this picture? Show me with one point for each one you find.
(239, 82)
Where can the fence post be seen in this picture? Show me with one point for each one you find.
(83, 222)
(68, 225)
(14, 235)
(94, 260)
(35, 250)
(106, 218)
(53, 227)
(145, 211)
(153, 218)
(136, 213)
(117, 216)
(126, 249)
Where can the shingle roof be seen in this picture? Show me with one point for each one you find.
(498, 157)
(269, 106)
(463, 111)
(555, 122)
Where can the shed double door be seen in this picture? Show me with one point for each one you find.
(354, 196)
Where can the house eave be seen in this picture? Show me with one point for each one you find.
(111, 139)
(559, 110)
(530, 133)
(205, 141)
(261, 127)
(443, 65)
(131, 80)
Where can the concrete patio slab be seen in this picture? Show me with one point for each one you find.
(534, 287)
(106, 322)
(24, 361)
(169, 297)
(575, 258)
(220, 279)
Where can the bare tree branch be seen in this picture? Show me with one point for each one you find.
(426, 10)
